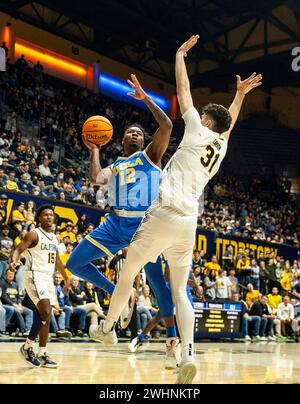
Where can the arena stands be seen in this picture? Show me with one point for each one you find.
(251, 208)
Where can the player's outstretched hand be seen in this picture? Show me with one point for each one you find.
(189, 44)
(139, 93)
(255, 80)
(90, 145)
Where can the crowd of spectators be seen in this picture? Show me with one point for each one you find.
(231, 207)
(268, 287)
(266, 212)
(60, 109)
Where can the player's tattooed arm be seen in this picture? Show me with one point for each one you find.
(243, 88)
(30, 240)
(97, 174)
(160, 141)
(182, 80)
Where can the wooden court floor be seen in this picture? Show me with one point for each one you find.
(217, 363)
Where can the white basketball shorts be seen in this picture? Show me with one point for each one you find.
(164, 230)
(39, 287)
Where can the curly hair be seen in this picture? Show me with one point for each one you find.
(41, 209)
(220, 115)
(137, 125)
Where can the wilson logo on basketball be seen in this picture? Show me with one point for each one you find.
(97, 130)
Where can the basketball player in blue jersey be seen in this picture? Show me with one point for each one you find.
(133, 179)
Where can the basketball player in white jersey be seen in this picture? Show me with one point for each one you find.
(40, 246)
(170, 223)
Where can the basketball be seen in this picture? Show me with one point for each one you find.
(98, 130)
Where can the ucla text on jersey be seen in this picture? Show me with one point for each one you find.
(134, 183)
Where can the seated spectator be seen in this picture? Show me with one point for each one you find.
(209, 284)
(3, 179)
(285, 313)
(91, 197)
(18, 213)
(6, 313)
(62, 247)
(249, 320)
(2, 321)
(64, 257)
(256, 310)
(145, 310)
(11, 297)
(92, 297)
(198, 274)
(3, 208)
(69, 311)
(6, 247)
(59, 322)
(89, 229)
(223, 286)
(82, 223)
(296, 322)
(213, 264)
(267, 321)
(44, 170)
(79, 239)
(276, 321)
(25, 184)
(15, 229)
(274, 300)
(252, 295)
(296, 289)
(11, 184)
(77, 298)
(29, 212)
(68, 232)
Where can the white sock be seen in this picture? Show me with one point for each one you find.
(42, 351)
(28, 344)
(185, 315)
(134, 262)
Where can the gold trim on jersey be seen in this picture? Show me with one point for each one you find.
(104, 249)
(128, 157)
(45, 234)
(151, 162)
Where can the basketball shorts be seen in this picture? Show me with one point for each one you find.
(114, 234)
(164, 230)
(39, 287)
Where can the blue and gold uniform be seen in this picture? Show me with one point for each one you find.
(133, 187)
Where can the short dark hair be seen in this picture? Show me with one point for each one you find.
(5, 227)
(136, 125)
(220, 116)
(41, 209)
